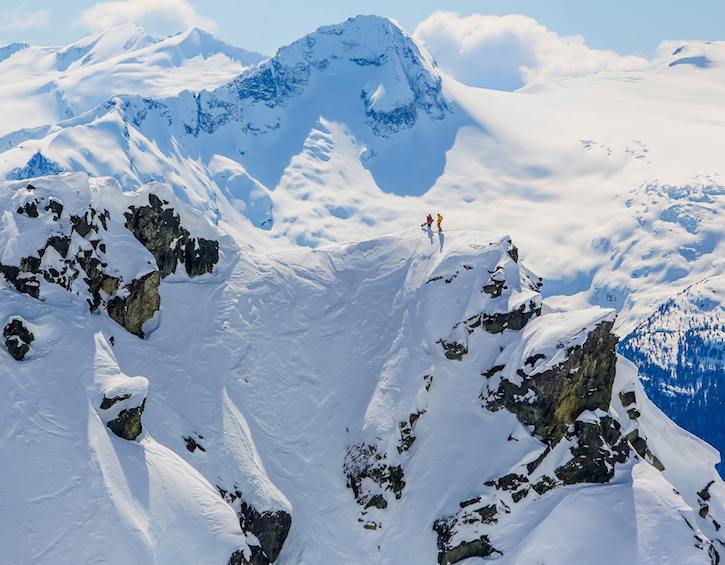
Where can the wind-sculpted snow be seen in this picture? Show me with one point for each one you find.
(303, 407)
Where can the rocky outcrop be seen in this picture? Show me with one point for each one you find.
(137, 304)
(566, 406)
(192, 443)
(159, 230)
(127, 424)
(371, 476)
(270, 527)
(406, 427)
(17, 338)
(552, 400)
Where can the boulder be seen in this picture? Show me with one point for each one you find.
(17, 338)
(270, 527)
(123, 405)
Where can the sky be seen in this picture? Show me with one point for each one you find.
(624, 26)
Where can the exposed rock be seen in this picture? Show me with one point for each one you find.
(23, 282)
(449, 553)
(514, 320)
(627, 398)
(568, 401)
(512, 481)
(513, 252)
(599, 445)
(61, 243)
(453, 350)
(192, 445)
(160, 231)
(17, 338)
(492, 371)
(270, 527)
(200, 256)
(30, 209)
(496, 283)
(127, 424)
(364, 461)
(553, 399)
(639, 444)
(54, 206)
(92, 220)
(406, 431)
(137, 303)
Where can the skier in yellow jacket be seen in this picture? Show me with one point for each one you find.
(439, 222)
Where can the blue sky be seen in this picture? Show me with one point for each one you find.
(627, 27)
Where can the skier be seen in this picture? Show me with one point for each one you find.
(428, 222)
(440, 221)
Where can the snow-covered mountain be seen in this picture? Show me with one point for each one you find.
(352, 131)
(680, 352)
(47, 84)
(172, 395)
(218, 376)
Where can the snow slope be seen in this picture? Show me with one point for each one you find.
(361, 389)
(352, 131)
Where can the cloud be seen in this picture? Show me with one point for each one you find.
(155, 16)
(19, 19)
(507, 52)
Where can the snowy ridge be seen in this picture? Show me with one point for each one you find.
(56, 83)
(357, 104)
(377, 394)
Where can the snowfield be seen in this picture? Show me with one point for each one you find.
(289, 378)
(227, 341)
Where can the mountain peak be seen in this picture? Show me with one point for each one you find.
(370, 57)
(103, 45)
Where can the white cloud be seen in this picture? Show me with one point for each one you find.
(155, 16)
(19, 19)
(507, 52)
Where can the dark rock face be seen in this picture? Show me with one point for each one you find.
(496, 283)
(23, 281)
(364, 461)
(271, 528)
(138, 305)
(127, 424)
(407, 438)
(599, 446)
(639, 444)
(514, 320)
(17, 338)
(192, 444)
(160, 231)
(582, 382)
(448, 553)
(453, 350)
